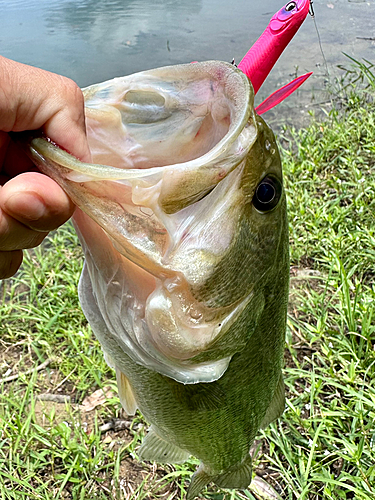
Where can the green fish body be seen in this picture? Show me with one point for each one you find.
(184, 227)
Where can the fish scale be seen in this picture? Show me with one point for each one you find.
(189, 304)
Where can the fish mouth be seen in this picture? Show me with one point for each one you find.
(168, 136)
(151, 120)
(161, 141)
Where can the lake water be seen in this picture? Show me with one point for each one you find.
(95, 40)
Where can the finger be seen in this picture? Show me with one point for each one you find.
(9, 263)
(67, 126)
(42, 99)
(36, 201)
(16, 236)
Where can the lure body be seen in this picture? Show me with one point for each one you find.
(263, 55)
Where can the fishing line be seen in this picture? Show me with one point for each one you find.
(312, 14)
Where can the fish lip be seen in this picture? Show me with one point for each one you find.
(91, 171)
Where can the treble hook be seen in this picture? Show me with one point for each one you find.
(311, 9)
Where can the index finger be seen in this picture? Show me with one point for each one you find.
(33, 99)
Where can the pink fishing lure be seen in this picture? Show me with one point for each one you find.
(263, 55)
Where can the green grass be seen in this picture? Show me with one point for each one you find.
(324, 445)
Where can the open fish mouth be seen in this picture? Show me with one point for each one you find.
(161, 203)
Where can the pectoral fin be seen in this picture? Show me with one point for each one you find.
(156, 449)
(277, 405)
(125, 393)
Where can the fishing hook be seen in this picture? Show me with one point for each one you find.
(311, 9)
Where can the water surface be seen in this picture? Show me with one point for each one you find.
(95, 40)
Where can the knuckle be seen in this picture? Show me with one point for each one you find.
(75, 100)
(74, 93)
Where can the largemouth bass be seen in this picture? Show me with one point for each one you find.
(184, 228)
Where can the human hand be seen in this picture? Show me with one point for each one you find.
(32, 204)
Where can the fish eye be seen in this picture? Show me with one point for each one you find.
(267, 194)
(290, 6)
